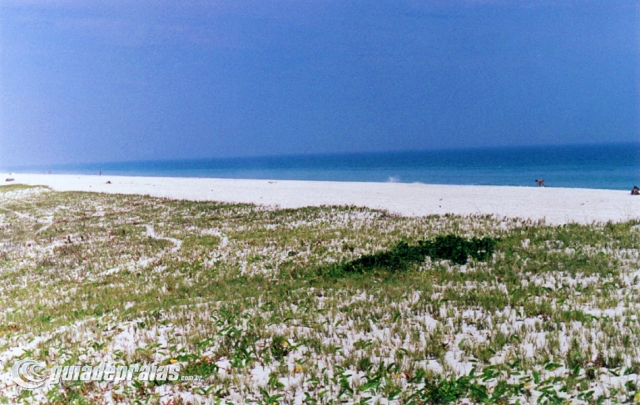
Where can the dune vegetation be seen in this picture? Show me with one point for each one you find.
(314, 305)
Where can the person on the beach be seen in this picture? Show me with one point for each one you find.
(635, 190)
(540, 183)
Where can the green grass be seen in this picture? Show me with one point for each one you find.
(425, 310)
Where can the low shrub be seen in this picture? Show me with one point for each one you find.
(402, 256)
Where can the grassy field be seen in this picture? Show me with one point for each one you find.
(258, 303)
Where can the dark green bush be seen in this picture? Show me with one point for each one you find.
(402, 256)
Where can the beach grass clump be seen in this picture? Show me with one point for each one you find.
(450, 309)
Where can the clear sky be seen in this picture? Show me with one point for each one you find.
(115, 80)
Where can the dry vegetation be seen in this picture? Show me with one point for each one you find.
(241, 295)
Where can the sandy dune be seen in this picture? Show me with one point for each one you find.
(555, 205)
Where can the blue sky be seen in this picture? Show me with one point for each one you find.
(117, 80)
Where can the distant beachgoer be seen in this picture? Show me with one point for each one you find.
(635, 190)
(540, 183)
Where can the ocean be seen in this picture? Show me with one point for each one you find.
(615, 166)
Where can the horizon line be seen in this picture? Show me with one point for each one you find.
(319, 154)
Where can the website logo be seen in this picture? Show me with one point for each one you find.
(31, 374)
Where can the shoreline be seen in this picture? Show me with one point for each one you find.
(556, 206)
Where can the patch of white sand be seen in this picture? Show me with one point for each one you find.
(554, 205)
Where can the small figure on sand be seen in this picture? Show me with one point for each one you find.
(635, 190)
(540, 183)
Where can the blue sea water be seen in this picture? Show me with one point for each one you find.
(583, 166)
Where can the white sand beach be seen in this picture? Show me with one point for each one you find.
(554, 205)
